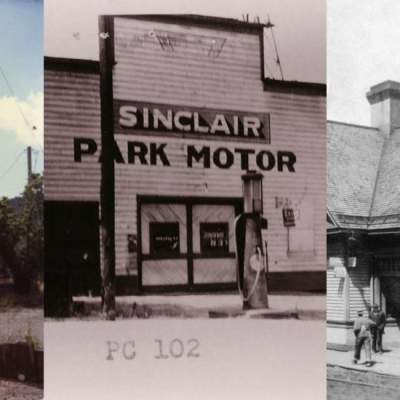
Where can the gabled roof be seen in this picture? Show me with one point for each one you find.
(363, 177)
(330, 220)
(387, 191)
(353, 158)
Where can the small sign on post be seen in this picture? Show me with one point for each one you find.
(288, 217)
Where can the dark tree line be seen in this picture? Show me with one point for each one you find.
(21, 236)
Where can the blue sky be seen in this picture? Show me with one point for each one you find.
(21, 108)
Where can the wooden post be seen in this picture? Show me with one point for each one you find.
(107, 186)
(29, 162)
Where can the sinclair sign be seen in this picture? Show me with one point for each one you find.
(141, 118)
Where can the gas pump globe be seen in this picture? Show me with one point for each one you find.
(252, 192)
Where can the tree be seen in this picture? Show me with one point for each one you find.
(8, 235)
(21, 235)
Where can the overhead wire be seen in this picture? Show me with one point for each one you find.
(12, 164)
(278, 61)
(30, 126)
(14, 96)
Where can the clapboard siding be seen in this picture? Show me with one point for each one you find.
(188, 76)
(337, 292)
(359, 286)
(178, 180)
(72, 109)
(336, 297)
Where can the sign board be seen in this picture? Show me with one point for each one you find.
(288, 217)
(352, 262)
(336, 262)
(132, 118)
(214, 237)
(164, 238)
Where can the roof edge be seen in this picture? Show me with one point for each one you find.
(295, 87)
(71, 64)
(201, 20)
(353, 125)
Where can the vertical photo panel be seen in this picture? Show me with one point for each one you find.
(363, 132)
(21, 200)
(185, 200)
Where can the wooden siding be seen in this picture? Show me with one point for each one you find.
(189, 76)
(336, 286)
(345, 296)
(360, 286)
(336, 295)
(72, 109)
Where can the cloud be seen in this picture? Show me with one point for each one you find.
(28, 130)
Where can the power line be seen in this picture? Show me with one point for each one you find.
(30, 126)
(278, 61)
(12, 164)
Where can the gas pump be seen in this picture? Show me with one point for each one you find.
(251, 260)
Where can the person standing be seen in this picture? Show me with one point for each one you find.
(363, 337)
(379, 318)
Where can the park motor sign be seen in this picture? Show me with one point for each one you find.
(203, 156)
(202, 123)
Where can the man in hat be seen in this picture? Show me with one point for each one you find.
(379, 318)
(362, 331)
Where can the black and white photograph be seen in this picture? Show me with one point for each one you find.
(199, 200)
(363, 276)
(21, 200)
(185, 190)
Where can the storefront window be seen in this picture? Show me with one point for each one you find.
(164, 238)
(214, 238)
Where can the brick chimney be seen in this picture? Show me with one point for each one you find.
(385, 106)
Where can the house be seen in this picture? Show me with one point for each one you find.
(364, 216)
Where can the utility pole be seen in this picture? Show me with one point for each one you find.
(29, 160)
(107, 186)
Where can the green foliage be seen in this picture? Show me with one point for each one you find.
(8, 234)
(21, 235)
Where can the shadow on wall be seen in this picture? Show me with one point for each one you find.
(391, 289)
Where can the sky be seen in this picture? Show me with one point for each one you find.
(363, 50)
(21, 91)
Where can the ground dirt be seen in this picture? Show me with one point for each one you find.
(21, 317)
(345, 384)
(10, 390)
(21, 324)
